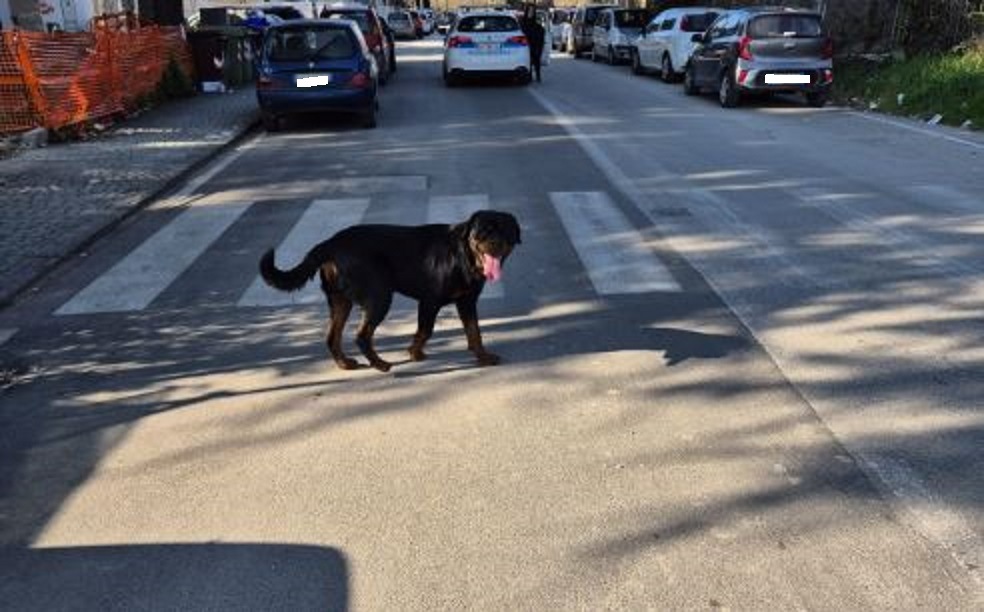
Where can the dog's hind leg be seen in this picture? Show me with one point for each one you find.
(426, 315)
(374, 310)
(340, 307)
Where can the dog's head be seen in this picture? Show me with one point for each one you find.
(491, 236)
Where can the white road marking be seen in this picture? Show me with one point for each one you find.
(612, 251)
(321, 220)
(456, 209)
(6, 335)
(138, 278)
(912, 128)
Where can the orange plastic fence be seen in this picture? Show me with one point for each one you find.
(62, 79)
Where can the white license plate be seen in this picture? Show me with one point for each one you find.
(488, 47)
(787, 79)
(314, 80)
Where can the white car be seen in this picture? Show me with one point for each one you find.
(486, 42)
(560, 26)
(667, 41)
(614, 33)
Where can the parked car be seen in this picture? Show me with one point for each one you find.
(614, 32)
(486, 42)
(560, 21)
(430, 24)
(667, 42)
(762, 50)
(582, 28)
(372, 31)
(402, 25)
(319, 66)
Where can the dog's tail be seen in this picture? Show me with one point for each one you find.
(296, 277)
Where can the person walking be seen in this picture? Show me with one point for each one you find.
(535, 36)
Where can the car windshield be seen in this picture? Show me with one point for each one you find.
(297, 44)
(630, 19)
(697, 22)
(358, 17)
(488, 23)
(782, 26)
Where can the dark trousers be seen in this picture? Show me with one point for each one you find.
(535, 55)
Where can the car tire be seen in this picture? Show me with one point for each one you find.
(271, 122)
(728, 94)
(369, 117)
(817, 99)
(610, 56)
(449, 79)
(636, 63)
(690, 87)
(666, 69)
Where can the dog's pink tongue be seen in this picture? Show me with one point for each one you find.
(491, 267)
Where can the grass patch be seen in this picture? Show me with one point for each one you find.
(951, 85)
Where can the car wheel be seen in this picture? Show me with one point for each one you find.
(610, 56)
(271, 122)
(689, 84)
(666, 72)
(728, 94)
(449, 79)
(816, 99)
(636, 64)
(369, 116)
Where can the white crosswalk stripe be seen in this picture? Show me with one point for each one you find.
(138, 278)
(456, 209)
(321, 220)
(614, 254)
(612, 251)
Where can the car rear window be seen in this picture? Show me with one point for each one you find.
(697, 22)
(488, 23)
(781, 26)
(631, 19)
(398, 17)
(591, 15)
(298, 44)
(359, 17)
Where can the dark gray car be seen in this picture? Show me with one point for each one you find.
(758, 50)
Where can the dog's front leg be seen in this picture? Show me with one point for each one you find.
(468, 311)
(426, 315)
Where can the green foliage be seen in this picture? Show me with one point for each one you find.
(949, 84)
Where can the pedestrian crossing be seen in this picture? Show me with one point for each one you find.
(614, 254)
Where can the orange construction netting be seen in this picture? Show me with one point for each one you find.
(62, 79)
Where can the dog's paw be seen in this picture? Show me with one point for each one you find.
(382, 366)
(416, 354)
(488, 359)
(347, 364)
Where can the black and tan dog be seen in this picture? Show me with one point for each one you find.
(433, 264)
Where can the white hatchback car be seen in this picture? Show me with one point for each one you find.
(666, 43)
(486, 43)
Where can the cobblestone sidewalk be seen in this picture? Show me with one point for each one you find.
(53, 199)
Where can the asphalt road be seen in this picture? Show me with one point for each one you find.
(767, 398)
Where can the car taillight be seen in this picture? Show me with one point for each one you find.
(519, 41)
(456, 42)
(373, 41)
(360, 80)
(742, 76)
(684, 24)
(828, 48)
(744, 48)
(828, 76)
(264, 82)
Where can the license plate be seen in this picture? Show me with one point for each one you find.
(787, 79)
(314, 80)
(488, 47)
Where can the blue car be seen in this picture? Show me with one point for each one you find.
(319, 65)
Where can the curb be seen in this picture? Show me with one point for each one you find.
(9, 298)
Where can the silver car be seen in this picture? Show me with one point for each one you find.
(762, 50)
